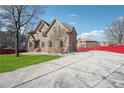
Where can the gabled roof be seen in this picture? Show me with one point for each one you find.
(45, 22)
(31, 36)
(39, 26)
(32, 32)
(50, 26)
(68, 27)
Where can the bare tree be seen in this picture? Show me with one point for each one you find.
(0, 32)
(17, 17)
(6, 39)
(1, 24)
(115, 32)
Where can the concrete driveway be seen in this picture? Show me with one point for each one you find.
(80, 70)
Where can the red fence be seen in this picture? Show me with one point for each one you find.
(118, 49)
(9, 51)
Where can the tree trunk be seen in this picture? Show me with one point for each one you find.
(17, 43)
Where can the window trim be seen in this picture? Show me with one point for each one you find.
(61, 42)
(30, 44)
(50, 43)
(42, 44)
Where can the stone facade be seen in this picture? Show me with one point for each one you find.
(56, 37)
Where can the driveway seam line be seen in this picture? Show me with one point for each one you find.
(71, 68)
(53, 71)
(107, 76)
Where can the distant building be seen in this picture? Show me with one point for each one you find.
(107, 43)
(86, 43)
(56, 37)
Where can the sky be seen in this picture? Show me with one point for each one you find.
(89, 21)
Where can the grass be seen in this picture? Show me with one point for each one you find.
(9, 62)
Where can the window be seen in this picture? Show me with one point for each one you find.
(55, 27)
(36, 44)
(50, 43)
(30, 44)
(42, 44)
(61, 44)
(82, 45)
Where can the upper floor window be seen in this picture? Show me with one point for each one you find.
(42, 44)
(50, 43)
(61, 44)
(56, 27)
(30, 44)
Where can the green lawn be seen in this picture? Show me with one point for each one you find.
(10, 62)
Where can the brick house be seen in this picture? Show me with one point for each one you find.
(56, 37)
(86, 43)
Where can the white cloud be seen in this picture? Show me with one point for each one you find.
(72, 15)
(72, 23)
(95, 34)
(121, 18)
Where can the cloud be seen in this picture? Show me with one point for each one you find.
(72, 23)
(95, 34)
(121, 18)
(72, 15)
